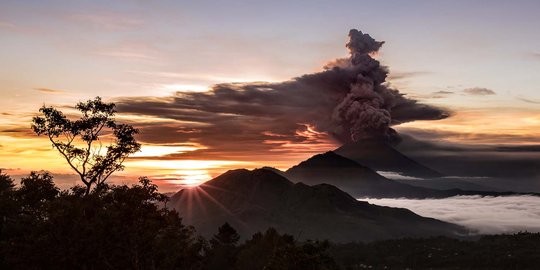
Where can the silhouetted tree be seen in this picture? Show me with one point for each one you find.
(79, 141)
(227, 236)
(125, 227)
(273, 251)
(8, 205)
(223, 248)
(35, 192)
(23, 226)
(113, 227)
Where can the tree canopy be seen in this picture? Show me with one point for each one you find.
(126, 227)
(80, 141)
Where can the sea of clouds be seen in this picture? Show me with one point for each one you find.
(485, 215)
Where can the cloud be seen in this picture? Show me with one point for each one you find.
(534, 55)
(478, 91)
(107, 21)
(528, 100)
(134, 51)
(468, 138)
(519, 148)
(126, 53)
(16, 131)
(442, 92)
(346, 101)
(439, 94)
(7, 25)
(50, 91)
(405, 75)
(486, 215)
(518, 163)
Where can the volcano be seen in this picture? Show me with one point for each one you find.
(354, 178)
(252, 201)
(361, 181)
(382, 156)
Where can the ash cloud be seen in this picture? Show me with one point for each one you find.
(349, 100)
(517, 161)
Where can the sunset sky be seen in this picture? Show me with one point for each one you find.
(480, 60)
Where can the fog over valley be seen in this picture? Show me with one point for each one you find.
(487, 215)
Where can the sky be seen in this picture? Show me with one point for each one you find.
(158, 60)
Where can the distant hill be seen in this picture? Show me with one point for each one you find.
(381, 156)
(360, 181)
(254, 200)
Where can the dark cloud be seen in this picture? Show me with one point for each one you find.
(479, 91)
(442, 92)
(519, 148)
(477, 159)
(348, 100)
(436, 94)
(476, 138)
(16, 131)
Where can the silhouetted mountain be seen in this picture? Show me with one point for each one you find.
(360, 181)
(254, 200)
(381, 156)
(353, 178)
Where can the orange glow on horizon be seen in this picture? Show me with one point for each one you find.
(485, 126)
(23, 152)
(163, 150)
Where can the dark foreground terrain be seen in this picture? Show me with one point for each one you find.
(518, 251)
(121, 227)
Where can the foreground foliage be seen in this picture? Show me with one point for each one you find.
(121, 227)
(114, 227)
(519, 251)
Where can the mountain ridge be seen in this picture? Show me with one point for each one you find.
(254, 200)
(360, 181)
(380, 155)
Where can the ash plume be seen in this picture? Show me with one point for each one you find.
(367, 109)
(349, 100)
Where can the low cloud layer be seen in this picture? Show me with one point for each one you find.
(347, 101)
(486, 215)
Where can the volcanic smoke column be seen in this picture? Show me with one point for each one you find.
(348, 100)
(366, 109)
